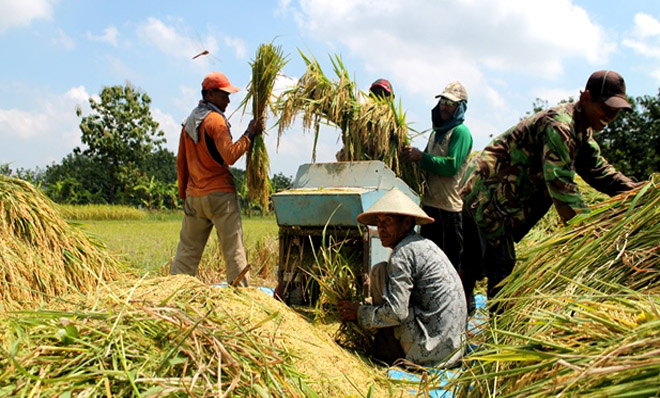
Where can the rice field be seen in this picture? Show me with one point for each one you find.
(149, 245)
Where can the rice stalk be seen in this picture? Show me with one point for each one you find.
(581, 310)
(373, 129)
(41, 255)
(173, 337)
(266, 67)
(335, 272)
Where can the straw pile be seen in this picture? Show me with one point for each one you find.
(583, 311)
(266, 67)
(42, 256)
(371, 130)
(176, 336)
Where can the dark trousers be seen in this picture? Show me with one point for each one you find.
(446, 232)
(482, 258)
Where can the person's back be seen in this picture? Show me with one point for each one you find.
(511, 185)
(208, 171)
(437, 324)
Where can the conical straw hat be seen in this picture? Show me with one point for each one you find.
(394, 202)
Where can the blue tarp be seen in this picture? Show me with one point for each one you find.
(444, 374)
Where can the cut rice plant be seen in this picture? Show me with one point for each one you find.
(175, 337)
(371, 129)
(338, 273)
(41, 255)
(581, 310)
(266, 67)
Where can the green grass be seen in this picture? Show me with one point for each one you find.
(149, 245)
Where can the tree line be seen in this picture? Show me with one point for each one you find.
(123, 160)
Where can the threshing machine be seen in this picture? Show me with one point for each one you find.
(322, 206)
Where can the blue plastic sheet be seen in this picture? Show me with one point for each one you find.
(446, 375)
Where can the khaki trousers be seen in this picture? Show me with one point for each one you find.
(219, 209)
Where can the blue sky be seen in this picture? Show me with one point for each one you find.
(58, 53)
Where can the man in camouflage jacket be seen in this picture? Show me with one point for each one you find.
(510, 186)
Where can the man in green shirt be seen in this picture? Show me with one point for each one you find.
(444, 161)
(513, 182)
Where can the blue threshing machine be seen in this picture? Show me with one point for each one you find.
(323, 205)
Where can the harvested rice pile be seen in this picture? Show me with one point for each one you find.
(174, 335)
(583, 311)
(41, 255)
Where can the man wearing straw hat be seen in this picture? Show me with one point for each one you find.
(418, 312)
(513, 182)
(206, 185)
(444, 160)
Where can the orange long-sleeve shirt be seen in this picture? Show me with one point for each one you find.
(198, 173)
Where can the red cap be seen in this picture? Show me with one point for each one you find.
(382, 83)
(218, 80)
(608, 87)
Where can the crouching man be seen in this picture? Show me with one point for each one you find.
(419, 312)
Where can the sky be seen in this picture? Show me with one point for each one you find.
(57, 54)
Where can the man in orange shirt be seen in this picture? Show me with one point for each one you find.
(206, 185)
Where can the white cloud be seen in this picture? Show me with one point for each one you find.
(18, 13)
(238, 45)
(23, 125)
(165, 38)
(45, 133)
(61, 39)
(646, 26)
(109, 35)
(282, 7)
(171, 127)
(555, 95)
(644, 39)
(170, 40)
(425, 44)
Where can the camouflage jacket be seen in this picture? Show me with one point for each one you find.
(520, 174)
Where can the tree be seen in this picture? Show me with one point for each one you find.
(120, 135)
(280, 182)
(632, 141)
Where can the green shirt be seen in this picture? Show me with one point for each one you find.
(460, 145)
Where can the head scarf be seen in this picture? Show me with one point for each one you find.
(441, 127)
(197, 116)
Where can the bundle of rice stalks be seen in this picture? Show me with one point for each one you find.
(374, 129)
(582, 310)
(335, 273)
(551, 222)
(42, 256)
(266, 66)
(176, 337)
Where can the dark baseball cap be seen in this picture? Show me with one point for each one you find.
(608, 86)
